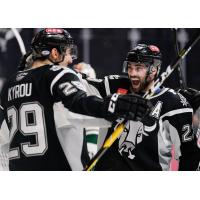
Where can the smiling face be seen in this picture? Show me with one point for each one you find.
(139, 76)
(137, 73)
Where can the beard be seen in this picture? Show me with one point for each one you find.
(138, 85)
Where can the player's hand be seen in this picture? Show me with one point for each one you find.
(129, 107)
(193, 97)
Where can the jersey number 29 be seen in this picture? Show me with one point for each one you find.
(29, 120)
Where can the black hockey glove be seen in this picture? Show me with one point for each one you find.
(193, 97)
(129, 107)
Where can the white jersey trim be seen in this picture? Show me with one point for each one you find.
(150, 128)
(162, 92)
(175, 112)
(107, 86)
(65, 71)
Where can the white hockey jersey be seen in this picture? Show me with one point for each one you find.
(70, 129)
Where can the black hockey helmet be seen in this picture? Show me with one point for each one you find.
(49, 38)
(150, 55)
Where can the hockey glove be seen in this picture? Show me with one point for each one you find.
(193, 97)
(129, 107)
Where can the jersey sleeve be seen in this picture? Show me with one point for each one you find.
(98, 84)
(65, 86)
(179, 125)
(116, 84)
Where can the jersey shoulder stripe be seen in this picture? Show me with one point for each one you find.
(60, 75)
(176, 112)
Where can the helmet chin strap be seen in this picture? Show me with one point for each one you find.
(149, 72)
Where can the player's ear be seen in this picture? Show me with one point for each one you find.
(54, 53)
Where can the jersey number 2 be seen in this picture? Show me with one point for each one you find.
(187, 136)
(30, 121)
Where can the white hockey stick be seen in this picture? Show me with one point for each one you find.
(173, 66)
(19, 40)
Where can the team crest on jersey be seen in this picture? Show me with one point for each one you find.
(183, 100)
(20, 76)
(129, 140)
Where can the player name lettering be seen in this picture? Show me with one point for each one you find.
(19, 91)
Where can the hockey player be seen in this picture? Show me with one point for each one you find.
(78, 150)
(147, 145)
(193, 96)
(91, 132)
(28, 97)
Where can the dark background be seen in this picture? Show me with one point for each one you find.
(106, 48)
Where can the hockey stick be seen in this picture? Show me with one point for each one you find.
(173, 66)
(19, 40)
(176, 47)
(108, 143)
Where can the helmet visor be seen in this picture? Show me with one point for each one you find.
(126, 63)
(73, 50)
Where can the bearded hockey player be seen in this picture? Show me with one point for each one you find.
(28, 97)
(147, 145)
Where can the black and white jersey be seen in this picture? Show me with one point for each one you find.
(147, 145)
(28, 99)
(111, 84)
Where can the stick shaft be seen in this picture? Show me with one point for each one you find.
(171, 67)
(180, 72)
(19, 40)
(108, 143)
